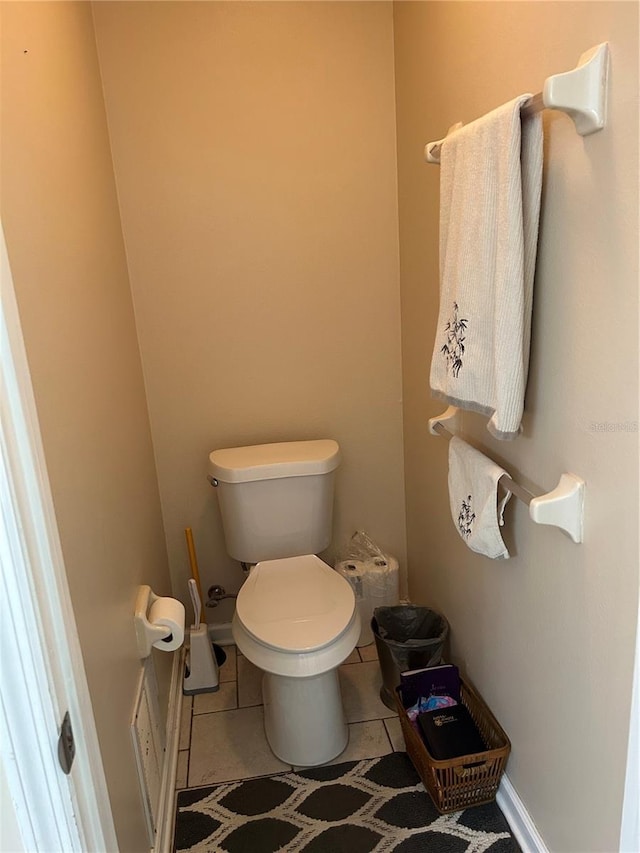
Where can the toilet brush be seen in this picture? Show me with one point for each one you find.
(201, 669)
(195, 574)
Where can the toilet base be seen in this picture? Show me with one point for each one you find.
(303, 718)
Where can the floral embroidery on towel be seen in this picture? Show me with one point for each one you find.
(466, 518)
(453, 350)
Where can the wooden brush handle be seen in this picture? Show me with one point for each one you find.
(193, 561)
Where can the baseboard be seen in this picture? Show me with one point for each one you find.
(166, 816)
(520, 823)
(220, 633)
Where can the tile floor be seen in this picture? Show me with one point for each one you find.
(222, 735)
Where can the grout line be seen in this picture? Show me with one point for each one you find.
(218, 711)
(386, 731)
(371, 720)
(246, 778)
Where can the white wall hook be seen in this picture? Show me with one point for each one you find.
(582, 93)
(563, 507)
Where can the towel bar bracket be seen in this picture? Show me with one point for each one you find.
(563, 507)
(447, 416)
(580, 93)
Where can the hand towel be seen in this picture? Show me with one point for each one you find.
(490, 186)
(473, 496)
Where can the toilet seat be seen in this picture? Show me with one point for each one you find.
(296, 604)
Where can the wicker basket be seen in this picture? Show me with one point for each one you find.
(468, 780)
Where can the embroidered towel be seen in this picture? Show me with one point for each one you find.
(473, 495)
(490, 185)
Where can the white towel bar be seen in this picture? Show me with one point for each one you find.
(581, 93)
(562, 507)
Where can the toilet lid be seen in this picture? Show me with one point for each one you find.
(296, 604)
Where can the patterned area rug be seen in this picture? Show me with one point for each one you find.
(378, 804)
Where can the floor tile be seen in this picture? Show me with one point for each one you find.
(183, 767)
(222, 700)
(354, 657)
(394, 730)
(360, 685)
(228, 668)
(230, 745)
(185, 722)
(366, 740)
(249, 683)
(369, 652)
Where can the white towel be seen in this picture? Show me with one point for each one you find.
(473, 496)
(490, 185)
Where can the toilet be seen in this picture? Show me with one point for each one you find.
(296, 618)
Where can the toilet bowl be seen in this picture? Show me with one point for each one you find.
(296, 619)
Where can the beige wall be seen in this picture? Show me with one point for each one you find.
(254, 149)
(60, 216)
(547, 636)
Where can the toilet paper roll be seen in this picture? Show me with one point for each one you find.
(168, 613)
(383, 581)
(355, 572)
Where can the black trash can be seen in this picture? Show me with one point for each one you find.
(407, 637)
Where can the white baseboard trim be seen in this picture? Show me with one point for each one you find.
(220, 633)
(520, 823)
(166, 816)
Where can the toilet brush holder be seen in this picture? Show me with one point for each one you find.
(201, 669)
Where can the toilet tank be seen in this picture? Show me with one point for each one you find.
(276, 500)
